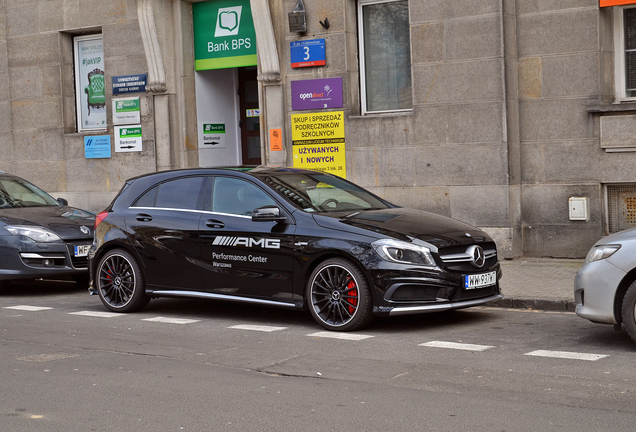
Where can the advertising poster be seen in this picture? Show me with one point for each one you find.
(91, 89)
(319, 142)
(224, 35)
(316, 94)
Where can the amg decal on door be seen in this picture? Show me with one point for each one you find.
(247, 242)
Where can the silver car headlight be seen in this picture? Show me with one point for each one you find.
(601, 252)
(38, 234)
(403, 252)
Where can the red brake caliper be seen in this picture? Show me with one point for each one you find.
(353, 293)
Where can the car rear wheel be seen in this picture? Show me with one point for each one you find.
(629, 312)
(338, 296)
(120, 283)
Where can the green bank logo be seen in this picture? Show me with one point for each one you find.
(130, 132)
(127, 106)
(213, 128)
(227, 21)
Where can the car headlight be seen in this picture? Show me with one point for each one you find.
(601, 252)
(403, 252)
(38, 234)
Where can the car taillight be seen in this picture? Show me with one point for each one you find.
(100, 217)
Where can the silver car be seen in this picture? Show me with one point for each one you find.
(605, 287)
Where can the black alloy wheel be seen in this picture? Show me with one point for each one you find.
(629, 311)
(120, 283)
(338, 296)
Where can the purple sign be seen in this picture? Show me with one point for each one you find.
(316, 94)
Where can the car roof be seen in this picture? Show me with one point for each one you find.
(254, 170)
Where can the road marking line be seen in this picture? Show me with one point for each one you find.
(97, 314)
(28, 308)
(457, 346)
(257, 328)
(567, 355)
(343, 336)
(171, 320)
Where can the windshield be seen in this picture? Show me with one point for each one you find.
(317, 192)
(15, 192)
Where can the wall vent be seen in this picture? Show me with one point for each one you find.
(621, 207)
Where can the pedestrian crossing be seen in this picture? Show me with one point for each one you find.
(350, 337)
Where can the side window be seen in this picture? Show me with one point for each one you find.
(385, 55)
(147, 199)
(184, 193)
(90, 86)
(239, 197)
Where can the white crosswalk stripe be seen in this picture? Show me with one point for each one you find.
(567, 355)
(97, 314)
(457, 346)
(343, 336)
(171, 320)
(260, 328)
(27, 308)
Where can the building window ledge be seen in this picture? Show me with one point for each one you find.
(603, 107)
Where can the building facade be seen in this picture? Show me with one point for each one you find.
(518, 117)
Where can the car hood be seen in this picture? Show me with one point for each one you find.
(619, 237)
(404, 223)
(65, 221)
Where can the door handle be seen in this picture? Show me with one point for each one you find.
(211, 223)
(142, 217)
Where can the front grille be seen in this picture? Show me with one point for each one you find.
(80, 262)
(415, 293)
(458, 258)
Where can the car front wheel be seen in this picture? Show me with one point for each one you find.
(120, 283)
(338, 296)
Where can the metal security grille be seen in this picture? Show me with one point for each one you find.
(621, 207)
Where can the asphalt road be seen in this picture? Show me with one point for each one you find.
(197, 365)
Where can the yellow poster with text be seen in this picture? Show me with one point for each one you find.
(319, 142)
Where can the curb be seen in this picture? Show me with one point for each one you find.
(537, 304)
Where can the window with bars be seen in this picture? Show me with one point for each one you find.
(621, 207)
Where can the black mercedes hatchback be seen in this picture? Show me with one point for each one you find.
(288, 238)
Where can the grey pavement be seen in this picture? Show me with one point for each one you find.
(538, 283)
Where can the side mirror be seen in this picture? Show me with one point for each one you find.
(62, 201)
(268, 214)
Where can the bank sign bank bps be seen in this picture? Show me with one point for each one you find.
(319, 142)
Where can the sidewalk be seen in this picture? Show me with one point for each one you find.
(538, 283)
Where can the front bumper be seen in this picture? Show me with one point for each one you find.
(439, 307)
(31, 260)
(595, 288)
(400, 291)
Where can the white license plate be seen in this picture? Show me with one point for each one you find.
(480, 280)
(82, 251)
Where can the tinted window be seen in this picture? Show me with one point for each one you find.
(184, 193)
(147, 199)
(239, 197)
